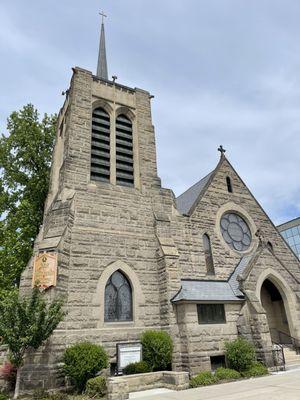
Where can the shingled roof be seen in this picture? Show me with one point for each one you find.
(214, 290)
(186, 200)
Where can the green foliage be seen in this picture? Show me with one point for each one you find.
(96, 387)
(4, 396)
(27, 322)
(25, 158)
(240, 354)
(42, 394)
(136, 368)
(227, 374)
(82, 361)
(204, 378)
(39, 394)
(157, 350)
(257, 369)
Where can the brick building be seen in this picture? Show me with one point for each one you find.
(206, 266)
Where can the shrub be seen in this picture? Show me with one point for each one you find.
(204, 378)
(157, 350)
(40, 394)
(227, 373)
(240, 354)
(3, 396)
(136, 368)
(58, 396)
(8, 372)
(82, 361)
(96, 387)
(257, 369)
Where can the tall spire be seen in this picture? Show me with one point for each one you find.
(102, 63)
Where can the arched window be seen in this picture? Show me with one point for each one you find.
(208, 255)
(100, 152)
(124, 151)
(118, 298)
(229, 185)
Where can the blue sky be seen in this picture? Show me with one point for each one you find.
(222, 72)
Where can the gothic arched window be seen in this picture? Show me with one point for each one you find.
(118, 298)
(208, 255)
(124, 151)
(100, 152)
(229, 185)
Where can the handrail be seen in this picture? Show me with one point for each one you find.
(295, 343)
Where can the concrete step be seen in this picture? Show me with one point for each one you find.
(291, 357)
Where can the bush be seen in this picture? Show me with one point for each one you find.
(136, 368)
(58, 396)
(257, 369)
(240, 354)
(227, 374)
(8, 372)
(157, 350)
(204, 378)
(40, 394)
(96, 387)
(3, 396)
(82, 361)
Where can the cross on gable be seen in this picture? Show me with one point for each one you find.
(221, 150)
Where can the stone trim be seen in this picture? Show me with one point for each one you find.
(231, 206)
(138, 298)
(288, 297)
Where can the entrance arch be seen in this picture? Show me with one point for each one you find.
(279, 303)
(273, 304)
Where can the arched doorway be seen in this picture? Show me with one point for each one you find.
(272, 302)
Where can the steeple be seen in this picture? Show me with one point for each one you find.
(102, 63)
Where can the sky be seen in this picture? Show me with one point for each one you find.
(222, 72)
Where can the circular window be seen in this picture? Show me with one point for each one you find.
(235, 231)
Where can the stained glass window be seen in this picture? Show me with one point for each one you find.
(118, 298)
(235, 231)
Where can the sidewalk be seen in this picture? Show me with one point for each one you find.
(283, 386)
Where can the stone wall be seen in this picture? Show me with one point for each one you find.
(120, 387)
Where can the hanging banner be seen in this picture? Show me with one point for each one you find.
(44, 270)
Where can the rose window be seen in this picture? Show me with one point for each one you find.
(235, 231)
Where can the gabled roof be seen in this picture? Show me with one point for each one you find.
(214, 290)
(187, 199)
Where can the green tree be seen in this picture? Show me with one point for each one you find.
(26, 322)
(25, 158)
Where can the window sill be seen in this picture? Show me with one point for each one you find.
(118, 324)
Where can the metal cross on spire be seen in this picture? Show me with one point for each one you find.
(221, 150)
(102, 63)
(103, 16)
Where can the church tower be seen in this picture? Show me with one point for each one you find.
(104, 216)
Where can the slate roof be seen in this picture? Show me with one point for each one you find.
(186, 200)
(201, 290)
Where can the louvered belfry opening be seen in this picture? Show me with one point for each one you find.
(124, 151)
(100, 153)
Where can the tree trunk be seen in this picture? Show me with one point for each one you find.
(17, 387)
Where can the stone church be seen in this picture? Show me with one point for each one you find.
(206, 266)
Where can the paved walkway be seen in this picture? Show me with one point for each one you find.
(282, 386)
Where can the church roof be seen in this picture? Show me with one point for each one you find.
(186, 200)
(214, 290)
